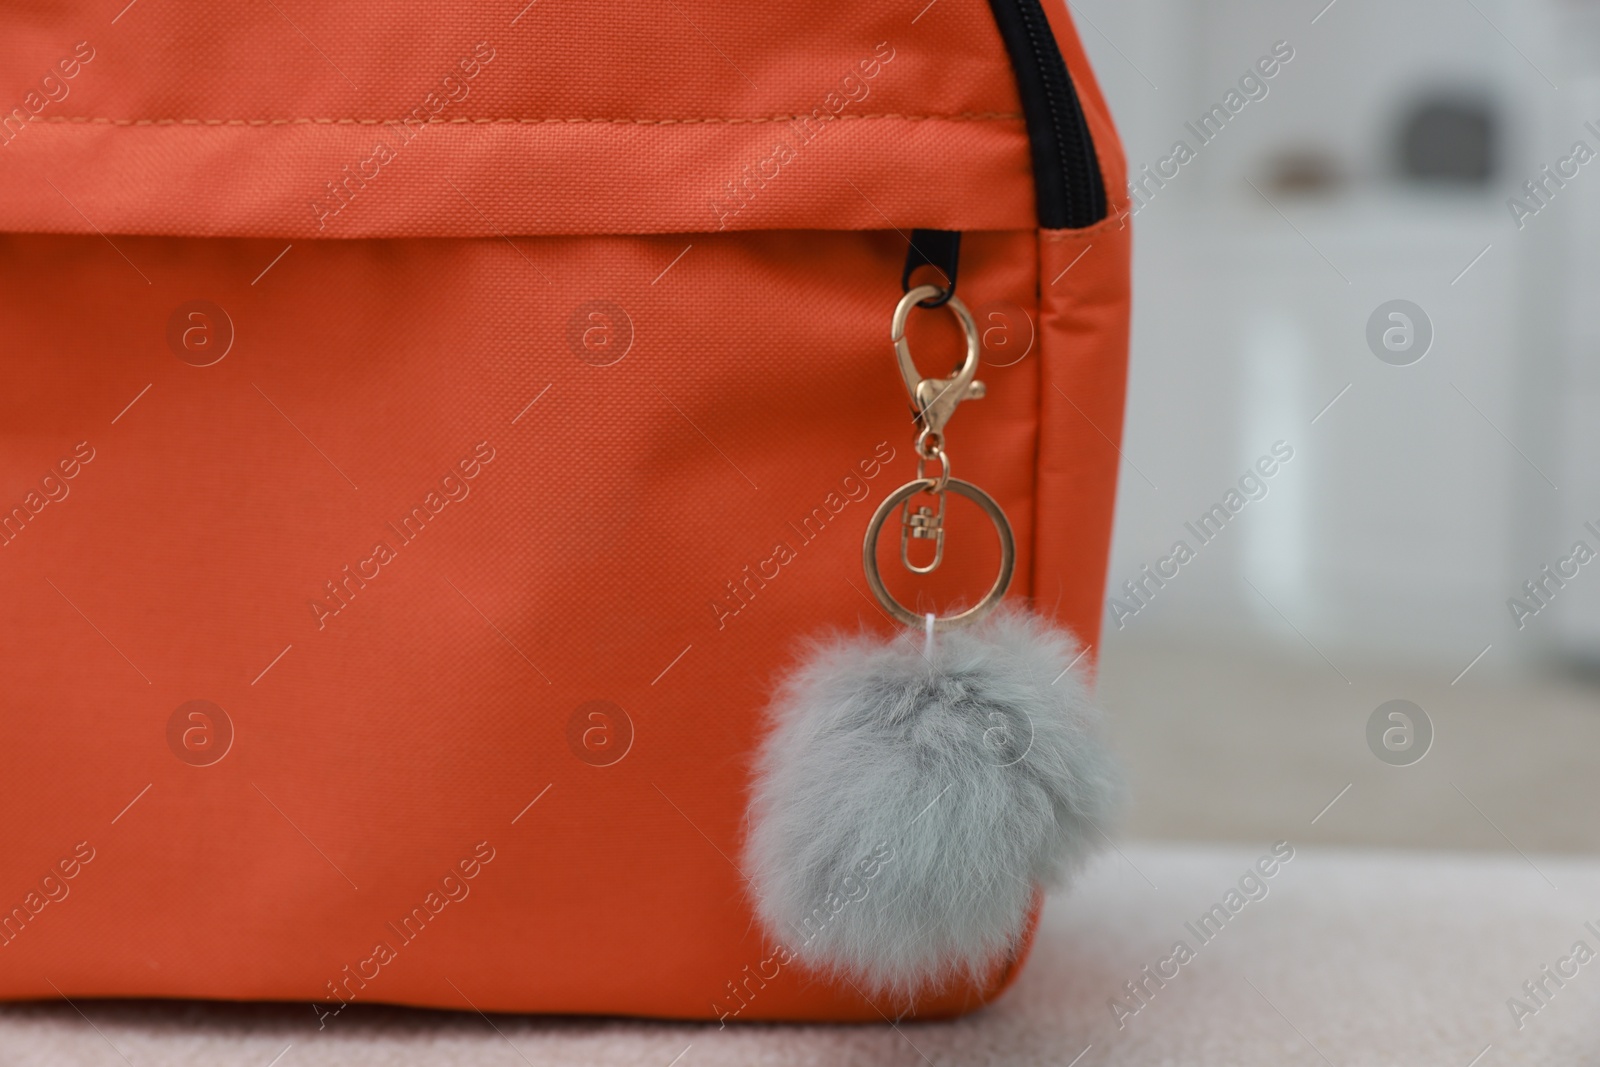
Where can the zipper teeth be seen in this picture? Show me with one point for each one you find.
(1075, 165)
(1052, 105)
(1062, 102)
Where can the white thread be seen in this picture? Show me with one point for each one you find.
(927, 632)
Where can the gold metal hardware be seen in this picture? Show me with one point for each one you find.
(924, 524)
(1002, 582)
(936, 399)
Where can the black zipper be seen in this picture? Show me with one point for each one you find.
(1069, 192)
(1066, 172)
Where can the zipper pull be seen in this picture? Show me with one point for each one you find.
(939, 249)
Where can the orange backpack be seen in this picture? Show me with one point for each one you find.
(427, 433)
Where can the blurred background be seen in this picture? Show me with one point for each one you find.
(1443, 449)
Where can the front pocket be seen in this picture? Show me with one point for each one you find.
(627, 470)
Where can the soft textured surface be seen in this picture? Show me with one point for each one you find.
(909, 800)
(1376, 959)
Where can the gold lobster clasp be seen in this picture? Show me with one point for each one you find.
(936, 399)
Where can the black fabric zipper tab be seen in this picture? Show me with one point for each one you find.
(1068, 188)
(939, 249)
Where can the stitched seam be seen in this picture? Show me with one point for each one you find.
(1113, 221)
(982, 116)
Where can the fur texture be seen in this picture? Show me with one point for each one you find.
(906, 808)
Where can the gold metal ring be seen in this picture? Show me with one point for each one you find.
(1008, 553)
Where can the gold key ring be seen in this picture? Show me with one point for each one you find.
(1008, 553)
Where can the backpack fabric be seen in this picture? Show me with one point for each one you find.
(428, 433)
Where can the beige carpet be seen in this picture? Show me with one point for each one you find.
(1267, 737)
(1354, 959)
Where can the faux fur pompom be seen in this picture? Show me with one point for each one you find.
(909, 801)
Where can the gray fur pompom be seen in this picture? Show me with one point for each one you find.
(906, 807)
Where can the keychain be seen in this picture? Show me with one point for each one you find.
(914, 796)
(935, 400)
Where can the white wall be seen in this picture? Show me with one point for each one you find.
(1420, 502)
